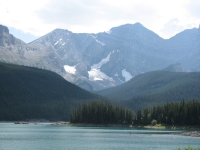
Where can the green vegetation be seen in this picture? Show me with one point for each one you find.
(31, 93)
(101, 113)
(182, 113)
(153, 122)
(158, 86)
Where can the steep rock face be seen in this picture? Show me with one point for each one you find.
(133, 51)
(5, 38)
(184, 48)
(15, 51)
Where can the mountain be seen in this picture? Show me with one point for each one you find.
(159, 86)
(15, 51)
(31, 93)
(105, 59)
(184, 48)
(174, 68)
(98, 61)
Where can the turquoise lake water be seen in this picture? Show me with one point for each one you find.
(47, 137)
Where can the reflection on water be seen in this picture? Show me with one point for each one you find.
(47, 137)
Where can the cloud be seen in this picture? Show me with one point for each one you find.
(20, 14)
(38, 17)
(94, 16)
(193, 7)
(172, 27)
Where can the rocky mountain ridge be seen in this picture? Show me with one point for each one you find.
(106, 59)
(15, 51)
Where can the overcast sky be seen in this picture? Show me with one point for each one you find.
(29, 19)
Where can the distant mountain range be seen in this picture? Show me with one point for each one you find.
(107, 59)
(32, 93)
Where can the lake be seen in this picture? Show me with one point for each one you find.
(47, 137)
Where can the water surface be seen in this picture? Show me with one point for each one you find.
(47, 137)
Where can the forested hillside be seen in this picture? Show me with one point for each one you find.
(31, 93)
(158, 86)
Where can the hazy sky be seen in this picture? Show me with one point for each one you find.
(28, 19)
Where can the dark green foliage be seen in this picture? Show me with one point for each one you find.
(101, 113)
(182, 113)
(31, 93)
(158, 85)
(153, 122)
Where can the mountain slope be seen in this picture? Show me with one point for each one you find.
(166, 86)
(31, 93)
(15, 51)
(184, 48)
(107, 59)
(111, 58)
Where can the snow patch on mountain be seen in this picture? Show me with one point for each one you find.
(126, 75)
(103, 44)
(95, 72)
(102, 62)
(120, 80)
(58, 41)
(70, 69)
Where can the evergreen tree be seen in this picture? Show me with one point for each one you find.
(101, 113)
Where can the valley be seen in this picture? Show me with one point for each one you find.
(129, 66)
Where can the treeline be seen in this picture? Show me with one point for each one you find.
(101, 113)
(180, 113)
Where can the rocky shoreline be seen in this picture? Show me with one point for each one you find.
(192, 133)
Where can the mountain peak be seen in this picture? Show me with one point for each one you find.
(4, 29)
(174, 68)
(129, 26)
(6, 39)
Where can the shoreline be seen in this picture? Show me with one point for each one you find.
(158, 126)
(89, 125)
(193, 131)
